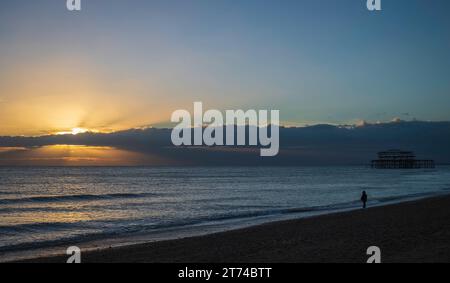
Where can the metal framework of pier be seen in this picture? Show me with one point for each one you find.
(397, 159)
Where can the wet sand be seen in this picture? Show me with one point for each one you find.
(417, 231)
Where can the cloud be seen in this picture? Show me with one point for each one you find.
(315, 145)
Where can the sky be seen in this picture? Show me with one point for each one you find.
(123, 64)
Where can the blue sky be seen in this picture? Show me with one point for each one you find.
(315, 60)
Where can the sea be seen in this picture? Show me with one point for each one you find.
(45, 210)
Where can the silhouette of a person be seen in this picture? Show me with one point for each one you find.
(364, 199)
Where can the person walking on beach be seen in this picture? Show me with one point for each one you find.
(364, 199)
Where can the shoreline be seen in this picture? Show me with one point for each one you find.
(413, 231)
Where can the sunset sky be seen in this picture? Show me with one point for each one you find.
(122, 64)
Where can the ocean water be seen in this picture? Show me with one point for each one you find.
(44, 209)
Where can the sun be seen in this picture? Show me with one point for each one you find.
(76, 131)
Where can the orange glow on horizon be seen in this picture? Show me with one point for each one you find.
(72, 155)
(77, 155)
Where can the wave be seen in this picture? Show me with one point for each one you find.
(391, 199)
(268, 211)
(108, 229)
(37, 227)
(72, 198)
(6, 193)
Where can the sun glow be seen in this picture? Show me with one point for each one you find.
(77, 131)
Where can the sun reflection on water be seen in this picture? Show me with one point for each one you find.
(71, 155)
